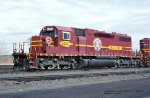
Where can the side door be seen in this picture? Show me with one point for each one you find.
(81, 45)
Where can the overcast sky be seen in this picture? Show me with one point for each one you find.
(20, 19)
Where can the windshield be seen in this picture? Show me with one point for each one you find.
(48, 33)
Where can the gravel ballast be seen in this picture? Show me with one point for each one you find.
(15, 86)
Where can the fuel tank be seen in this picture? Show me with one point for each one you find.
(98, 63)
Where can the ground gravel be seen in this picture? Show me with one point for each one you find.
(15, 86)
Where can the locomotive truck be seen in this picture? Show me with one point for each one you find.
(58, 47)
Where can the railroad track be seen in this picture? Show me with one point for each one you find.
(62, 74)
(5, 66)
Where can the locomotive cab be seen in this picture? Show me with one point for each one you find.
(48, 32)
(50, 35)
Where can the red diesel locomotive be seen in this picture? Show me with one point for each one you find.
(145, 50)
(59, 47)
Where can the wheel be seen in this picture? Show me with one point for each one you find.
(71, 67)
(109, 67)
(61, 67)
(26, 64)
(117, 65)
(46, 67)
(15, 66)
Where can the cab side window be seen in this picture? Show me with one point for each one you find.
(66, 35)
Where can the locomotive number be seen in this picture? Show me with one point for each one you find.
(66, 43)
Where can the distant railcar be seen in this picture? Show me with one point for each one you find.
(145, 50)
